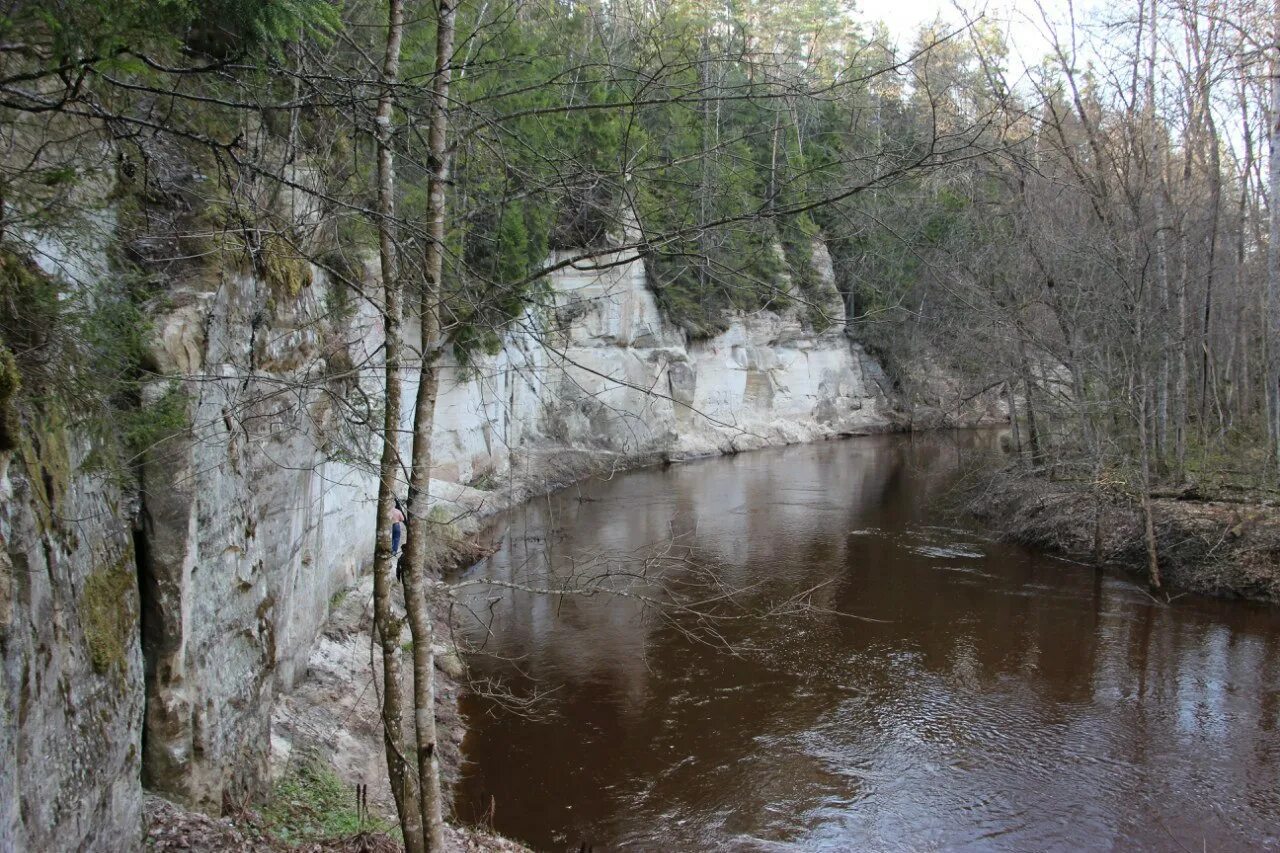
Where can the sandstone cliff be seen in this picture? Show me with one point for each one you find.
(203, 602)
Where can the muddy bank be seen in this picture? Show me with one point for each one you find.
(1218, 548)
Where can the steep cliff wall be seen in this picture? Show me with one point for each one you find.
(603, 372)
(252, 520)
(267, 510)
(598, 380)
(72, 686)
(221, 572)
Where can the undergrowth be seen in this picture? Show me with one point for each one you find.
(312, 804)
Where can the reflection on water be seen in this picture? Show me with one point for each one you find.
(1006, 700)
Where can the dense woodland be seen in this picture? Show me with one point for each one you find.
(1090, 237)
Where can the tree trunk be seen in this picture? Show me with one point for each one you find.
(1207, 382)
(1273, 249)
(387, 623)
(416, 600)
(772, 199)
(708, 153)
(1013, 421)
(1244, 393)
(1097, 513)
(1033, 432)
(1148, 523)
(1144, 461)
(1156, 172)
(1181, 406)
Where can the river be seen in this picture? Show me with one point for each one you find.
(941, 691)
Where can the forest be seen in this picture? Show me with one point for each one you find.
(1086, 238)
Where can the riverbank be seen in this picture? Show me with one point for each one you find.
(170, 828)
(332, 721)
(333, 714)
(1212, 547)
(957, 667)
(332, 718)
(327, 740)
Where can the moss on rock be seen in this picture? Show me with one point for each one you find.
(285, 270)
(442, 525)
(30, 314)
(41, 445)
(10, 383)
(107, 616)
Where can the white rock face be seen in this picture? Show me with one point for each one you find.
(606, 373)
(266, 510)
(254, 524)
(254, 518)
(71, 684)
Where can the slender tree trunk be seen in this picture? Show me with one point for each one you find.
(708, 161)
(1156, 176)
(1215, 211)
(1144, 461)
(1033, 432)
(1013, 421)
(1273, 249)
(1148, 522)
(416, 598)
(773, 162)
(387, 623)
(1181, 407)
(1097, 511)
(1244, 391)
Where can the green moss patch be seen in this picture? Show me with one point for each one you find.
(10, 383)
(285, 270)
(46, 457)
(107, 616)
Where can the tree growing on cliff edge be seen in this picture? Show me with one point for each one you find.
(432, 343)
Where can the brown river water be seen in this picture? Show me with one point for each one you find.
(1006, 700)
